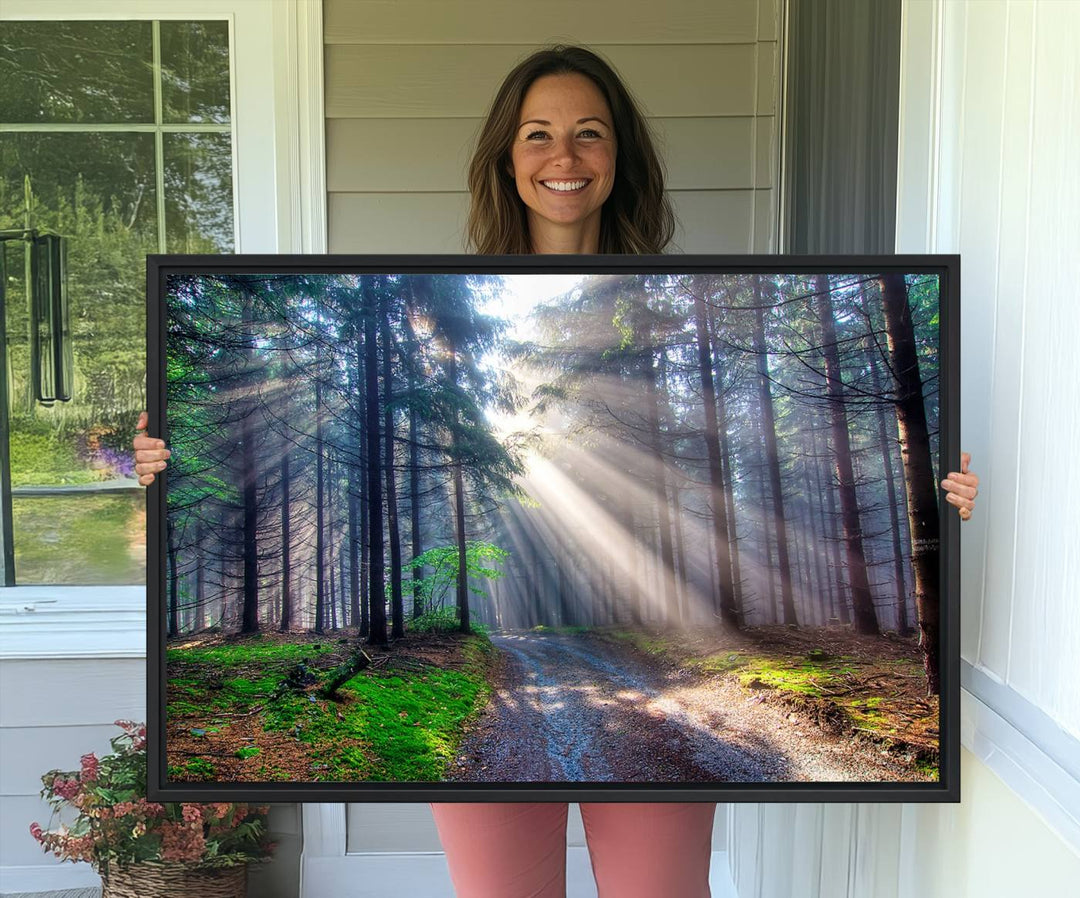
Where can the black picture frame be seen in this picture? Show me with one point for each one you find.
(945, 789)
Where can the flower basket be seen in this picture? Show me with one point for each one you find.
(146, 849)
(171, 880)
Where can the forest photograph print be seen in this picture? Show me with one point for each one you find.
(640, 525)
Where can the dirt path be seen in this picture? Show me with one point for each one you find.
(572, 708)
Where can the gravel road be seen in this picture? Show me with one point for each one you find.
(573, 708)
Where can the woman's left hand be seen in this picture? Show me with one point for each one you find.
(961, 487)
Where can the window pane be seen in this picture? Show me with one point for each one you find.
(82, 539)
(198, 193)
(76, 72)
(195, 71)
(98, 191)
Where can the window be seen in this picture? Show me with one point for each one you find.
(118, 136)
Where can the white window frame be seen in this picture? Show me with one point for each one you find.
(279, 197)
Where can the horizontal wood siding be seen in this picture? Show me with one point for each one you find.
(477, 22)
(454, 81)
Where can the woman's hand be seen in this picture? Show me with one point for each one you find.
(150, 453)
(961, 487)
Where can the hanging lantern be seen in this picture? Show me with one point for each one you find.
(51, 359)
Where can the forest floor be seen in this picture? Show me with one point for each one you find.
(605, 704)
(230, 717)
(871, 689)
(767, 705)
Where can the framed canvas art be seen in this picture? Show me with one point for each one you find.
(554, 528)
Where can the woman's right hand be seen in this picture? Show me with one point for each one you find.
(150, 453)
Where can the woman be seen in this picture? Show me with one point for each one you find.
(565, 164)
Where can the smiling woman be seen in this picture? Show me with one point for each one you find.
(563, 117)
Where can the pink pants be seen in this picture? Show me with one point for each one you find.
(508, 850)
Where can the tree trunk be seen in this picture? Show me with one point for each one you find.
(459, 521)
(331, 542)
(724, 601)
(902, 626)
(170, 549)
(397, 612)
(365, 541)
(918, 470)
(250, 618)
(416, 546)
(771, 616)
(200, 582)
(863, 603)
(727, 476)
(320, 543)
(376, 563)
(772, 456)
(286, 548)
(667, 557)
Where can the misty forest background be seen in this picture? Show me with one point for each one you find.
(677, 450)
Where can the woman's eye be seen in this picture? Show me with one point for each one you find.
(589, 132)
(536, 135)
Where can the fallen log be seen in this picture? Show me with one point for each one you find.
(343, 673)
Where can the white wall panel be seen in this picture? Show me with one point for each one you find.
(1045, 617)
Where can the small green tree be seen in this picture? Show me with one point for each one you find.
(431, 591)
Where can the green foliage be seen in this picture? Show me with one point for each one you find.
(437, 620)
(432, 590)
(41, 458)
(442, 620)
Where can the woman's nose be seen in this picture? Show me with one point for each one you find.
(564, 150)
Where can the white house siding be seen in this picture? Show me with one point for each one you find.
(990, 122)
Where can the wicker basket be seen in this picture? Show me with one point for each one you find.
(167, 880)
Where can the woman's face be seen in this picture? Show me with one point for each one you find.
(563, 159)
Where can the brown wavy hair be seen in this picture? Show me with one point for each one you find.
(636, 218)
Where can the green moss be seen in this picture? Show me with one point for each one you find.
(248, 751)
(393, 727)
(865, 713)
(248, 653)
(200, 767)
(805, 678)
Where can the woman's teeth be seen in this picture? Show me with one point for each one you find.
(564, 185)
